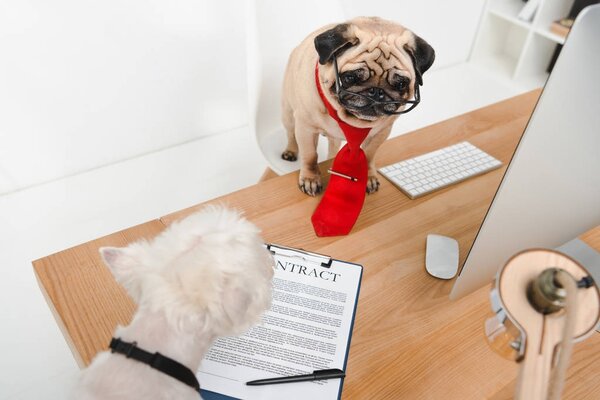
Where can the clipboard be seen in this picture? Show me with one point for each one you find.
(321, 261)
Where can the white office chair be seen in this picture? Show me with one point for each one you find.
(274, 29)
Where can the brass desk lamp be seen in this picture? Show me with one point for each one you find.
(543, 302)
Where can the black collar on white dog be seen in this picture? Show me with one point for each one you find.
(157, 361)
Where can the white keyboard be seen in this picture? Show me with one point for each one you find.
(426, 173)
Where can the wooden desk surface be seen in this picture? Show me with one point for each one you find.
(409, 341)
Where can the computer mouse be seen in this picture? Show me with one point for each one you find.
(441, 256)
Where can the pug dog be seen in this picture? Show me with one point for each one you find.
(369, 69)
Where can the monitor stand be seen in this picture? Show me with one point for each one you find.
(586, 256)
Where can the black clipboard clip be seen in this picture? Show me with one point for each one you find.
(320, 259)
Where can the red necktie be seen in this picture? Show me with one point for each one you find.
(341, 204)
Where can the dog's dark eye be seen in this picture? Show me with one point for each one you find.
(349, 79)
(401, 83)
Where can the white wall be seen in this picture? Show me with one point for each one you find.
(85, 83)
(449, 26)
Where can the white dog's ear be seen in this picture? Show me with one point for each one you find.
(123, 266)
(117, 259)
(236, 303)
(242, 306)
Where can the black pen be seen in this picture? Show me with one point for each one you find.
(315, 376)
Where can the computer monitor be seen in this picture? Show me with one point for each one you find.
(550, 192)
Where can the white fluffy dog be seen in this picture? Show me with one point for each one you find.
(206, 276)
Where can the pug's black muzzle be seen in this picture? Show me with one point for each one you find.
(373, 101)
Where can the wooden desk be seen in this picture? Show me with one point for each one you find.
(409, 340)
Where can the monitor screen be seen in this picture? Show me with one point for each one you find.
(550, 193)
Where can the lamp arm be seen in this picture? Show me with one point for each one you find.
(557, 379)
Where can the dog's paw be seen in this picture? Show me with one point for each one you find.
(372, 184)
(289, 155)
(311, 186)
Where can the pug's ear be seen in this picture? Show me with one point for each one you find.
(422, 55)
(335, 39)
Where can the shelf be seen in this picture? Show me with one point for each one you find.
(510, 19)
(550, 35)
(518, 50)
(509, 11)
(535, 60)
(552, 10)
(533, 81)
(499, 45)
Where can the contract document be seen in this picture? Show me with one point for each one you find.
(308, 328)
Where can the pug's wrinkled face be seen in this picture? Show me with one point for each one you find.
(369, 92)
(373, 67)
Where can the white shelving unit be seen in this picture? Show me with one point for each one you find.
(515, 49)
